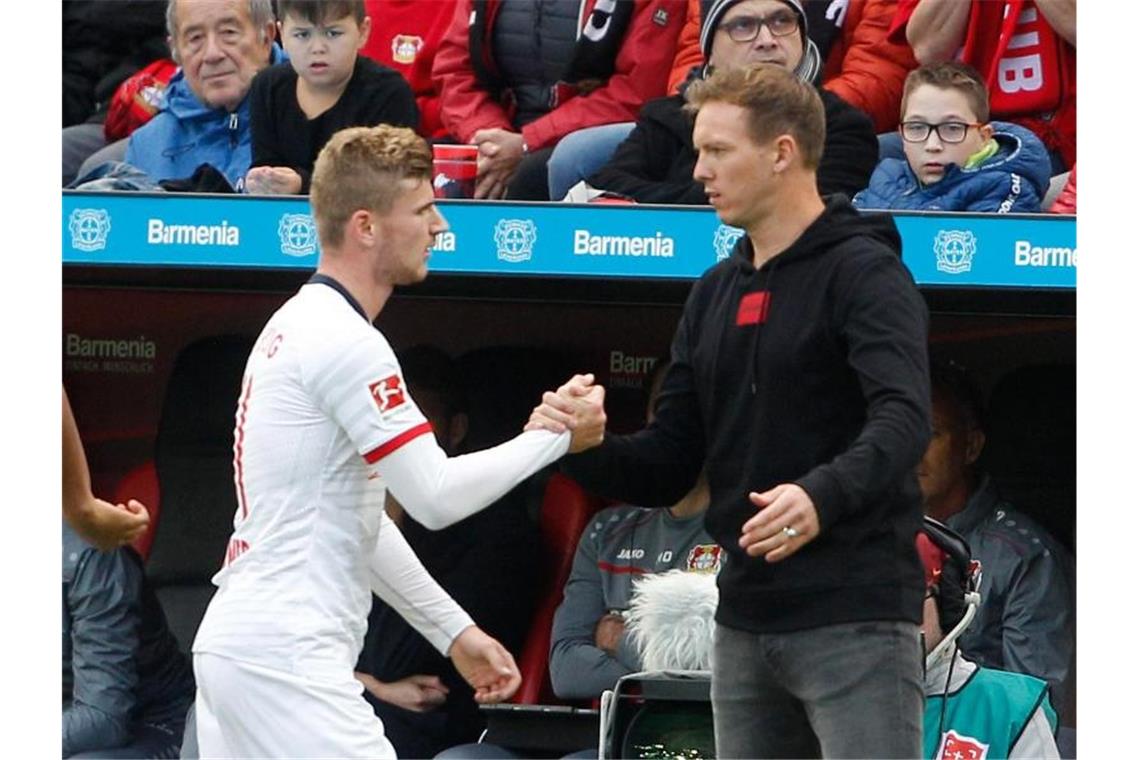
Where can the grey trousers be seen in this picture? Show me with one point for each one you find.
(852, 690)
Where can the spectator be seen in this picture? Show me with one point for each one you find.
(1026, 51)
(956, 159)
(516, 77)
(655, 163)
(126, 686)
(865, 67)
(221, 45)
(103, 44)
(423, 702)
(1026, 621)
(972, 711)
(405, 36)
(326, 85)
(584, 151)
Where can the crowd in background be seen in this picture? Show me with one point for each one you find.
(568, 100)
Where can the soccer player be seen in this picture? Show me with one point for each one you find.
(324, 424)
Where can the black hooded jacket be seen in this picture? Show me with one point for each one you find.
(654, 164)
(812, 370)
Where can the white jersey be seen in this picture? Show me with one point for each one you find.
(324, 423)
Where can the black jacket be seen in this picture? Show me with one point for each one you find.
(829, 391)
(103, 44)
(121, 664)
(282, 135)
(655, 163)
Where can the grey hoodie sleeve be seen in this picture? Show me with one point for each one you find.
(578, 668)
(103, 601)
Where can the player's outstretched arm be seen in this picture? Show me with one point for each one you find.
(107, 526)
(486, 665)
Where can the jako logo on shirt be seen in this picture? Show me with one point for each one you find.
(388, 393)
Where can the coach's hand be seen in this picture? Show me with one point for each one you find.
(786, 522)
(485, 664)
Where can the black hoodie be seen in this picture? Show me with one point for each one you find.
(812, 370)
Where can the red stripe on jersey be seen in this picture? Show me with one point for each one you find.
(620, 569)
(384, 449)
(239, 439)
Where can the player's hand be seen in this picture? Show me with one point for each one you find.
(272, 180)
(785, 506)
(109, 526)
(608, 633)
(418, 693)
(485, 664)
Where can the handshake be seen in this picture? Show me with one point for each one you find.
(578, 406)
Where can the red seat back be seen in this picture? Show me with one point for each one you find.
(566, 508)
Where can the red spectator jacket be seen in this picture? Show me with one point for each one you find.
(640, 74)
(1030, 70)
(864, 67)
(405, 36)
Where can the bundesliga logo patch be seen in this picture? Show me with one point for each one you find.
(388, 393)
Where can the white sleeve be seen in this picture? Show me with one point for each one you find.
(397, 576)
(438, 491)
(1036, 741)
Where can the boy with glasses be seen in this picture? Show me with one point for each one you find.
(956, 159)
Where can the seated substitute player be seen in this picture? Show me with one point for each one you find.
(324, 426)
(972, 711)
(1026, 621)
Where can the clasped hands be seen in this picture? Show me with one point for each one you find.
(578, 406)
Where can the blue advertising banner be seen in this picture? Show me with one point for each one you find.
(646, 242)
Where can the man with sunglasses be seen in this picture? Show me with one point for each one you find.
(956, 159)
(655, 163)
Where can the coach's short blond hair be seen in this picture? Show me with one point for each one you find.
(361, 168)
(777, 103)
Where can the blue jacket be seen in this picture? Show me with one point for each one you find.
(1013, 179)
(187, 133)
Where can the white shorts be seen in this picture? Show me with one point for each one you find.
(245, 710)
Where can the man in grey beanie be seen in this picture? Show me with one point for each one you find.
(654, 164)
(713, 12)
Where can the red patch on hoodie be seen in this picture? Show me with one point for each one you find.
(753, 309)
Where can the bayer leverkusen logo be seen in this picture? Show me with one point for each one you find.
(298, 235)
(515, 239)
(958, 747)
(89, 228)
(954, 251)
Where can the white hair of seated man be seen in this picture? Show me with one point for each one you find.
(670, 620)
